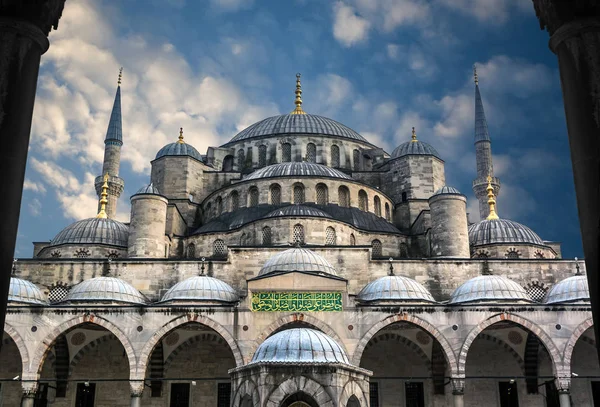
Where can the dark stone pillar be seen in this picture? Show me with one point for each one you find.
(574, 27)
(24, 28)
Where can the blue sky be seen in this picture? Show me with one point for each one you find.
(381, 67)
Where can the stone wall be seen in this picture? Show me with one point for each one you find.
(449, 232)
(147, 227)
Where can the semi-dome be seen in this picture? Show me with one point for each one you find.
(297, 259)
(297, 169)
(446, 190)
(148, 189)
(394, 288)
(416, 147)
(105, 289)
(300, 345)
(298, 210)
(201, 289)
(297, 124)
(93, 231)
(489, 289)
(570, 289)
(178, 149)
(491, 231)
(25, 292)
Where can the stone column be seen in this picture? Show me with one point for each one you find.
(24, 28)
(137, 391)
(458, 392)
(574, 27)
(29, 391)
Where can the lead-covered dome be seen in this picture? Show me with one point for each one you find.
(416, 147)
(148, 189)
(570, 289)
(446, 190)
(300, 345)
(491, 231)
(105, 289)
(489, 289)
(297, 169)
(394, 288)
(298, 210)
(93, 231)
(297, 259)
(297, 124)
(178, 149)
(25, 292)
(201, 289)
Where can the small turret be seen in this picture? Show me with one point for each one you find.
(449, 229)
(148, 223)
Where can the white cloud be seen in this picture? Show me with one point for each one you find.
(37, 187)
(457, 113)
(348, 27)
(494, 12)
(231, 5)
(393, 51)
(35, 207)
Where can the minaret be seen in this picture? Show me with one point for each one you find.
(112, 156)
(483, 151)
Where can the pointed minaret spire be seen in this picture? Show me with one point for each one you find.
(413, 136)
(483, 155)
(298, 101)
(112, 155)
(180, 139)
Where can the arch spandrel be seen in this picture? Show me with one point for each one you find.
(575, 336)
(20, 343)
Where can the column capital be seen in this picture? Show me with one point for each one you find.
(458, 386)
(563, 384)
(553, 14)
(136, 387)
(29, 388)
(44, 14)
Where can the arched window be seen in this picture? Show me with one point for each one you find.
(299, 194)
(538, 255)
(377, 250)
(330, 237)
(353, 402)
(298, 234)
(241, 158)
(253, 197)
(235, 200)
(219, 248)
(335, 156)
(363, 201)
(219, 205)
(322, 194)
(275, 192)
(266, 236)
(356, 160)
(228, 163)
(388, 216)
(344, 196)
(209, 210)
(352, 240)
(513, 254)
(311, 153)
(404, 197)
(377, 204)
(286, 152)
(191, 251)
(262, 156)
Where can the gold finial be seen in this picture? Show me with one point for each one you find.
(180, 141)
(475, 75)
(298, 101)
(491, 200)
(103, 200)
(414, 136)
(120, 76)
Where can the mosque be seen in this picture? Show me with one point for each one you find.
(298, 265)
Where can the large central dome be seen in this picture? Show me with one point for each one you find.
(297, 124)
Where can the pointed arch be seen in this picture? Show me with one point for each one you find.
(568, 352)
(42, 350)
(247, 389)
(352, 388)
(299, 384)
(18, 340)
(426, 326)
(144, 357)
(530, 326)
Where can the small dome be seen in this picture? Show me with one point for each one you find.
(298, 210)
(178, 148)
(297, 124)
(148, 189)
(414, 148)
(394, 288)
(95, 231)
(201, 288)
(297, 259)
(446, 190)
(490, 231)
(105, 289)
(570, 289)
(297, 169)
(23, 291)
(300, 345)
(489, 289)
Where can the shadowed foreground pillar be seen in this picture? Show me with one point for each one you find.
(24, 28)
